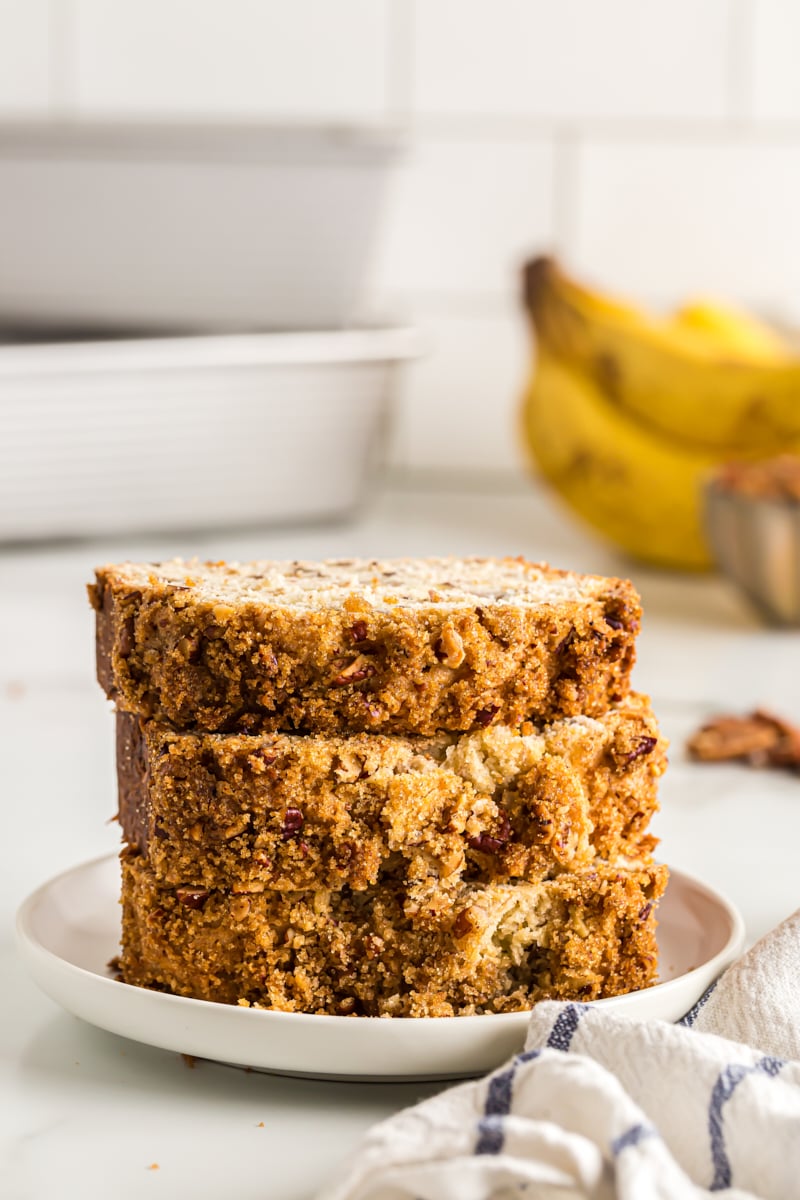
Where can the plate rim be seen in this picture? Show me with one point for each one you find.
(30, 944)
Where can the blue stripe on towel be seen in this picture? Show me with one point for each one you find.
(691, 1016)
(491, 1135)
(632, 1137)
(727, 1082)
(491, 1131)
(565, 1025)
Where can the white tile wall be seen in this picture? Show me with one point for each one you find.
(301, 58)
(24, 57)
(775, 29)
(459, 405)
(730, 226)
(464, 212)
(574, 58)
(654, 143)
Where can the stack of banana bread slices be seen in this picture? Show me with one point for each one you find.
(416, 787)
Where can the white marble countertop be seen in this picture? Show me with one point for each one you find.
(86, 1113)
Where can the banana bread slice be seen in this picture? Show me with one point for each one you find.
(497, 948)
(402, 646)
(289, 811)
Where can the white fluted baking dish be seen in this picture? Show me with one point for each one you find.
(188, 227)
(191, 432)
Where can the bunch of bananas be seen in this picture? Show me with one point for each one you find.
(626, 414)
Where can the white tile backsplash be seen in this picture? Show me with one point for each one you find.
(662, 221)
(775, 82)
(655, 143)
(463, 214)
(24, 57)
(571, 59)
(458, 407)
(229, 58)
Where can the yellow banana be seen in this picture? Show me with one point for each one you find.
(727, 330)
(713, 393)
(640, 489)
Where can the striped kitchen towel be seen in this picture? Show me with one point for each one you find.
(599, 1106)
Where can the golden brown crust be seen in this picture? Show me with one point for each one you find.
(280, 811)
(493, 949)
(232, 649)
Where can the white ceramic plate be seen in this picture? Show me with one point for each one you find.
(69, 929)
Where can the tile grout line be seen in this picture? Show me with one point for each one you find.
(729, 130)
(565, 189)
(399, 60)
(62, 71)
(397, 451)
(740, 65)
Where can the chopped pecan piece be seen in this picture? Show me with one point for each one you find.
(645, 746)
(491, 843)
(483, 716)
(190, 648)
(192, 897)
(292, 823)
(360, 668)
(565, 642)
(760, 739)
(373, 946)
(262, 758)
(127, 638)
(462, 924)
(768, 479)
(486, 843)
(240, 907)
(449, 648)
